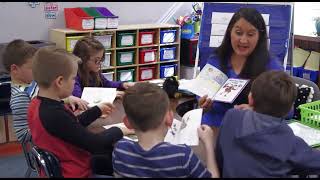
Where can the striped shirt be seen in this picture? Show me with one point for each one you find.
(21, 96)
(164, 160)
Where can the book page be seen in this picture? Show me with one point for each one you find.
(185, 131)
(230, 90)
(97, 95)
(310, 135)
(208, 82)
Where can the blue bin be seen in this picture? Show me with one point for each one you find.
(167, 53)
(310, 75)
(168, 70)
(167, 36)
(187, 31)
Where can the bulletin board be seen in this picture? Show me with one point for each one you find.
(216, 16)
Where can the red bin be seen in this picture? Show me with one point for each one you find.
(77, 19)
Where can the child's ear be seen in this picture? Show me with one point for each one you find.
(13, 68)
(169, 118)
(250, 100)
(58, 81)
(127, 123)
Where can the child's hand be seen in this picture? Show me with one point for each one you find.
(120, 95)
(243, 107)
(205, 103)
(73, 101)
(106, 109)
(126, 131)
(126, 85)
(207, 135)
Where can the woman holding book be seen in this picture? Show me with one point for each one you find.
(243, 54)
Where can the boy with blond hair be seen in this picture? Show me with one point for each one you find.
(148, 113)
(54, 127)
(17, 60)
(256, 141)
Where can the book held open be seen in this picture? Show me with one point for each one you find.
(97, 95)
(214, 83)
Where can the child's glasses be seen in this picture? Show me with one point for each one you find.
(97, 61)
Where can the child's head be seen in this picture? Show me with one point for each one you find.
(273, 93)
(147, 107)
(17, 59)
(92, 54)
(55, 68)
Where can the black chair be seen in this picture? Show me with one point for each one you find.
(47, 162)
(5, 89)
(26, 147)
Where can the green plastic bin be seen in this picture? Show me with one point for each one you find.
(126, 39)
(125, 57)
(126, 75)
(100, 21)
(310, 114)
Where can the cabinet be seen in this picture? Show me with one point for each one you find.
(134, 49)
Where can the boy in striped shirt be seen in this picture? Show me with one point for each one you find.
(148, 113)
(17, 59)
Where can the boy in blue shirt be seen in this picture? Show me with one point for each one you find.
(148, 113)
(256, 141)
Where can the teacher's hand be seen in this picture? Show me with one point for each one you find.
(205, 103)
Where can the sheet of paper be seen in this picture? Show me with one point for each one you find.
(126, 57)
(215, 41)
(169, 72)
(310, 135)
(126, 76)
(127, 40)
(299, 57)
(97, 95)
(218, 29)
(88, 23)
(168, 54)
(313, 61)
(185, 131)
(113, 22)
(225, 17)
(146, 39)
(131, 137)
(208, 82)
(230, 90)
(149, 57)
(147, 74)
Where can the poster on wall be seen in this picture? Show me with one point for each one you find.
(50, 10)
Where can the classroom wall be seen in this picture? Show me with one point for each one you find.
(19, 20)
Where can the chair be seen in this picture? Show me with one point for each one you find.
(301, 81)
(5, 89)
(26, 147)
(47, 162)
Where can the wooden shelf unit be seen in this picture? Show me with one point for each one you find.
(59, 37)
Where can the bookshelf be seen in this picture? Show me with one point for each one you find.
(138, 65)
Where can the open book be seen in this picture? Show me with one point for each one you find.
(97, 95)
(185, 131)
(214, 83)
(180, 132)
(310, 135)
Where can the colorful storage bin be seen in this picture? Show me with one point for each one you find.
(125, 57)
(146, 38)
(125, 75)
(168, 70)
(125, 39)
(76, 18)
(107, 60)
(167, 36)
(147, 73)
(167, 53)
(71, 42)
(104, 39)
(100, 22)
(112, 20)
(147, 56)
(109, 75)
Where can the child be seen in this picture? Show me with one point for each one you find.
(148, 113)
(17, 60)
(258, 142)
(92, 54)
(54, 127)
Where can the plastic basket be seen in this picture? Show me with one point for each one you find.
(76, 18)
(167, 36)
(126, 39)
(100, 22)
(310, 114)
(167, 54)
(168, 70)
(104, 39)
(112, 20)
(126, 75)
(125, 57)
(71, 41)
